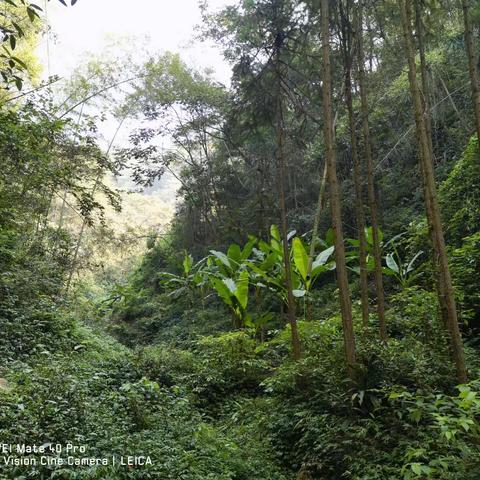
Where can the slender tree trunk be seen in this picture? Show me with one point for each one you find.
(472, 64)
(433, 211)
(62, 210)
(372, 201)
(335, 202)
(281, 176)
(357, 175)
(98, 179)
(452, 102)
(80, 238)
(316, 220)
(428, 125)
(316, 224)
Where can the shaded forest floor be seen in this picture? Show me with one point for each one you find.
(227, 406)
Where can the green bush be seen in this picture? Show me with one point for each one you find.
(460, 196)
(465, 266)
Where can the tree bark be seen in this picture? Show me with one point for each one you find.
(316, 221)
(281, 175)
(335, 202)
(428, 125)
(357, 175)
(372, 201)
(472, 64)
(432, 207)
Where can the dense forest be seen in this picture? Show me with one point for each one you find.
(311, 307)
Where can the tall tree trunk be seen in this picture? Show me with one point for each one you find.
(316, 220)
(96, 184)
(316, 224)
(335, 202)
(281, 177)
(472, 64)
(419, 27)
(372, 201)
(433, 211)
(357, 175)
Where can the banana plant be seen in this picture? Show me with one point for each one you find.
(230, 263)
(320, 265)
(230, 279)
(234, 293)
(404, 272)
(353, 255)
(269, 265)
(192, 276)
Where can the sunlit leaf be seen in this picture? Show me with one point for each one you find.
(300, 257)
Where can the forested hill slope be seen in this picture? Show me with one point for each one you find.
(311, 312)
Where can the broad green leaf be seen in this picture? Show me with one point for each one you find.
(392, 264)
(247, 249)
(241, 292)
(395, 395)
(329, 237)
(234, 253)
(299, 293)
(296, 280)
(248, 322)
(230, 284)
(275, 241)
(222, 290)
(263, 319)
(269, 262)
(222, 257)
(166, 275)
(388, 271)
(369, 235)
(323, 257)
(187, 264)
(355, 269)
(274, 233)
(353, 241)
(268, 278)
(300, 257)
(412, 261)
(317, 269)
(264, 246)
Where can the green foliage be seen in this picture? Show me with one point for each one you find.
(405, 272)
(102, 396)
(465, 265)
(446, 446)
(460, 198)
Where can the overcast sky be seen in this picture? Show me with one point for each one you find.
(169, 24)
